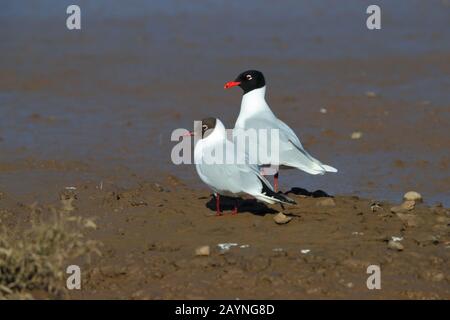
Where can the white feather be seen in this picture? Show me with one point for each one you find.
(255, 113)
(228, 178)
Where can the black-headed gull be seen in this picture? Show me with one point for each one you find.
(228, 177)
(256, 114)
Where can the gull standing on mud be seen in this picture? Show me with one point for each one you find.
(256, 114)
(229, 178)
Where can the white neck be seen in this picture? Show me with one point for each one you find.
(218, 132)
(254, 95)
(253, 102)
(217, 136)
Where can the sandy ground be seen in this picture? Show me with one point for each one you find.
(150, 234)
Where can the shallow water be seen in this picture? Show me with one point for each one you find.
(110, 95)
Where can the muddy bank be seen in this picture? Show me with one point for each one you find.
(150, 233)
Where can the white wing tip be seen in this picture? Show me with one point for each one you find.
(329, 168)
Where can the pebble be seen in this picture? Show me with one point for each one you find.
(404, 207)
(413, 196)
(375, 206)
(90, 224)
(356, 135)
(157, 187)
(281, 218)
(395, 245)
(371, 94)
(327, 202)
(202, 251)
(226, 246)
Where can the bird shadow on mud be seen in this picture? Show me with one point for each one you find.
(314, 194)
(258, 208)
(244, 205)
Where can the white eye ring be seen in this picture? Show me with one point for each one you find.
(205, 126)
(249, 77)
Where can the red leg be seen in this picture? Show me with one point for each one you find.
(275, 182)
(218, 213)
(235, 210)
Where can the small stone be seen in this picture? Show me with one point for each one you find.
(395, 245)
(90, 224)
(356, 135)
(404, 207)
(371, 94)
(281, 218)
(413, 196)
(327, 202)
(226, 246)
(202, 251)
(375, 206)
(157, 187)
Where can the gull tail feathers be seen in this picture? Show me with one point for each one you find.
(329, 168)
(267, 194)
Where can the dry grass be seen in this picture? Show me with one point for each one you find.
(35, 260)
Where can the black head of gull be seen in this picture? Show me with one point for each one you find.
(248, 80)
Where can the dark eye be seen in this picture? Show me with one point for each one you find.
(249, 77)
(204, 127)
